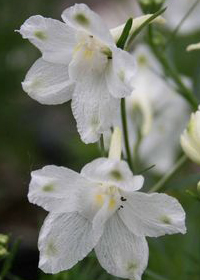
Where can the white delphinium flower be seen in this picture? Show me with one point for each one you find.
(100, 208)
(177, 9)
(80, 61)
(161, 122)
(190, 138)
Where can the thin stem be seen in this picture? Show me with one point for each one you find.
(125, 133)
(181, 23)
(167, 177)
(136, 150)
(172, 73)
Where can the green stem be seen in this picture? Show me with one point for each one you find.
(125, 132)
(136, 150)
(158, 186)
(181, 23)
(172, 73)
(143, 25)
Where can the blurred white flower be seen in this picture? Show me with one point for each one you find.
(160, 122)
(100, 208)
(190, 138)
(177, 9)
(193, 47)
(80, 61)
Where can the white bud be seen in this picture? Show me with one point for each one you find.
(190, 139)
(3, 239)
(193, 47)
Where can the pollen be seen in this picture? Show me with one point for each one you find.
(99, 199)
(40, 35)
(88, 54)
(112, 203)
(82, 19)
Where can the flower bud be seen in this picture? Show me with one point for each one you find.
(190, 139)
(3, 239)
(150, 6)
(3, 251)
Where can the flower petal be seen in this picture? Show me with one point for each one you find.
(193, 47)
(65, 238)
(112, 172)
(190, 148)
(120, 72)
(53, 38)
(81, 17)
(54, 188)
(153, 214)
(48, 83)
(93, 108)
(121, 253)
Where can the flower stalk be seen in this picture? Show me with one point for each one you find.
(171, 72)
(168, 176)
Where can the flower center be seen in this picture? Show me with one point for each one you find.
(108, 193)
(92, 49)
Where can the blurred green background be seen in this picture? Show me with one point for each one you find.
(33, 135)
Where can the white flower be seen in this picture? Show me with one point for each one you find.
(193, 47)
(177, 9)
(161, 122)
(100, 208)
(80, 61)
(190, 138)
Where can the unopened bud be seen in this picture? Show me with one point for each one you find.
(3, 239)
(3, 251)
(150, 6)
(190, 138)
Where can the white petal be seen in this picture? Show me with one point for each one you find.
(48, 83)
(193, 47)
(94, 108)
(112, 172)
(120, 73)
(54, 188)
(152, 214)
(137, 22)
(81, 17)
(121, 253)
(190, 148)
(64, 239)
(53, 38)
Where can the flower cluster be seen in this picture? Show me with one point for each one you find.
(101, 208)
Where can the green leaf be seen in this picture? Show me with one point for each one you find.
(125, 33)
(144, 24)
